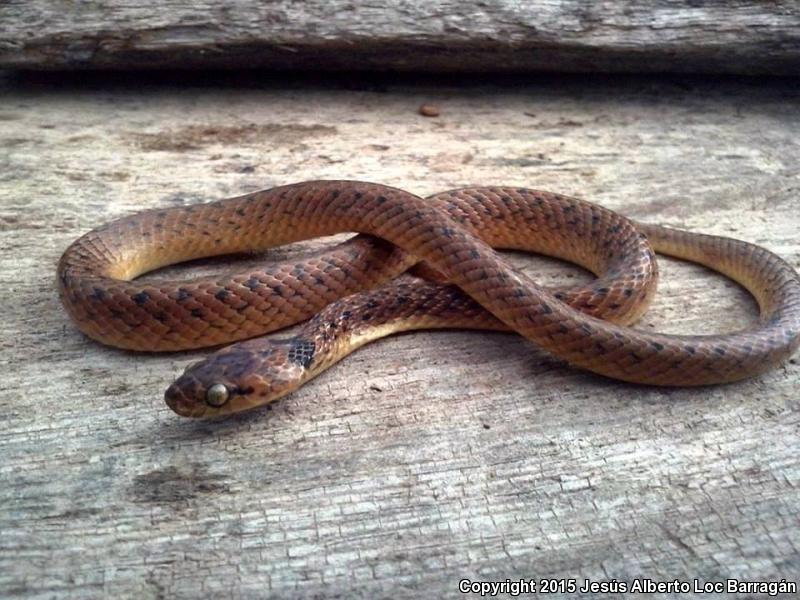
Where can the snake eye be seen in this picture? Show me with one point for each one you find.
(217, 395)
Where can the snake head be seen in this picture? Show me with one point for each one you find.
(241, 377)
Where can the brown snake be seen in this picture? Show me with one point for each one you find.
(95, 273)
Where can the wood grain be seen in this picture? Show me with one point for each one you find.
(425, 458)
(443, 35)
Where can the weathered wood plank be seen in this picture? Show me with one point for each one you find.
(445, 35)
(425, 458)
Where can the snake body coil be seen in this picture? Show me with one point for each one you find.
(453, 233)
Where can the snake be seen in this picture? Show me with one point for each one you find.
(356, 292)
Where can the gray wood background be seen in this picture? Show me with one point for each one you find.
(425, 458)
(747, 36)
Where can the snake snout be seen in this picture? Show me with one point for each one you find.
(183, 398)
(204, 390)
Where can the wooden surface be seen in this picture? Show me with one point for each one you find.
(747, 36)
(425, 458)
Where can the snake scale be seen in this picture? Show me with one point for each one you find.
(448, 239)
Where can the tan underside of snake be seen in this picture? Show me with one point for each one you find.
(586, 326)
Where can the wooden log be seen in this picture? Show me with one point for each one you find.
(426, 458)
(654, 35)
